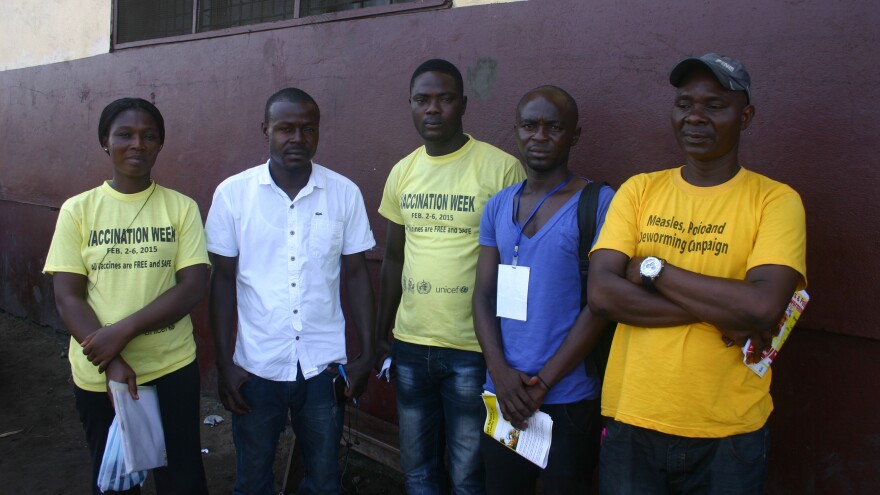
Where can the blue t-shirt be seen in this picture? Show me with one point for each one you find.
(554, 289)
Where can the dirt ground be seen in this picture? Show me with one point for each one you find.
(43, 448)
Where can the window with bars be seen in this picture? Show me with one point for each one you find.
(143, 20)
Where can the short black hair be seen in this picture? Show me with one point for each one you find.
(441, 66)
(290, 95)
(115, 108)
(553, 89)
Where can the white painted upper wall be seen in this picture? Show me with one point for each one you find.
(38, 32)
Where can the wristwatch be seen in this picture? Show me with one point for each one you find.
(650, 270)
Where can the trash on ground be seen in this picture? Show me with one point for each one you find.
(213, 420)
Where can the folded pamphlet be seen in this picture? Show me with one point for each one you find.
(533, 443)
(795, 308)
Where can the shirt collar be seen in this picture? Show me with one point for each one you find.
(318, 179)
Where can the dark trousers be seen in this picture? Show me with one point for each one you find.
(178, 394)
(574, 453)
(639, 461)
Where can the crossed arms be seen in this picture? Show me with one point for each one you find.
(740, 309)
(102, 345)
(751, 310)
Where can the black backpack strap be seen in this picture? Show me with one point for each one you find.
(588, 204)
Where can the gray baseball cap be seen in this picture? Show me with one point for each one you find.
(730, 72)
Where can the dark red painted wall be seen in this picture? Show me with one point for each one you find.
(816, 74)
(825, 437)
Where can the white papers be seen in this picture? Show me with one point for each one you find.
(533, 443)
(385, 372)
(513, 292)
(140, 424)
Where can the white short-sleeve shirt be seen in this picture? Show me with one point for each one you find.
(289, 259)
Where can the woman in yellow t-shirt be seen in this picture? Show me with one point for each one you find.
(129, 263)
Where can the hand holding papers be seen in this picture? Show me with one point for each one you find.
(789, 319)
(533, 443)
(135, 442)
(141, 427)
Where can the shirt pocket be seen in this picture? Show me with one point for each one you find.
(325, 239)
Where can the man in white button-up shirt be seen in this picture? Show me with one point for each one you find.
(278, 235)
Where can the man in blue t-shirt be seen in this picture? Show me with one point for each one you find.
(535, 349)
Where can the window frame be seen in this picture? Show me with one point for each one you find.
(374, 11)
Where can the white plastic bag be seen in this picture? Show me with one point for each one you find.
(140, 426)
(113, 474)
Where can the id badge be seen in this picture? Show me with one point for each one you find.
(513, 292)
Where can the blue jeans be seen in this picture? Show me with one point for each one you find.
(317, 424)
(439, 390)
(640, 461)
(574, 452)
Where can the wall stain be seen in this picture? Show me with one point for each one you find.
(481, 78)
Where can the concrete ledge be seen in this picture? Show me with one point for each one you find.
(372, 437)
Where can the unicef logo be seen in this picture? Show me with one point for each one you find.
(424, 287)
(464, 289)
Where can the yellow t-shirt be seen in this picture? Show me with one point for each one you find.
(439, 201)
(683, 380)
(130, 247)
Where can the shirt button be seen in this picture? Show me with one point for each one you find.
(291, 207)
(291, 232)
(297, 337)
(293, 284)
(293, 258)
(295, 311)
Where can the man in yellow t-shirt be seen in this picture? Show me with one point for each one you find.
(693, 261)
(433, 200)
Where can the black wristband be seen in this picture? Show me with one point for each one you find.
(543, 382)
